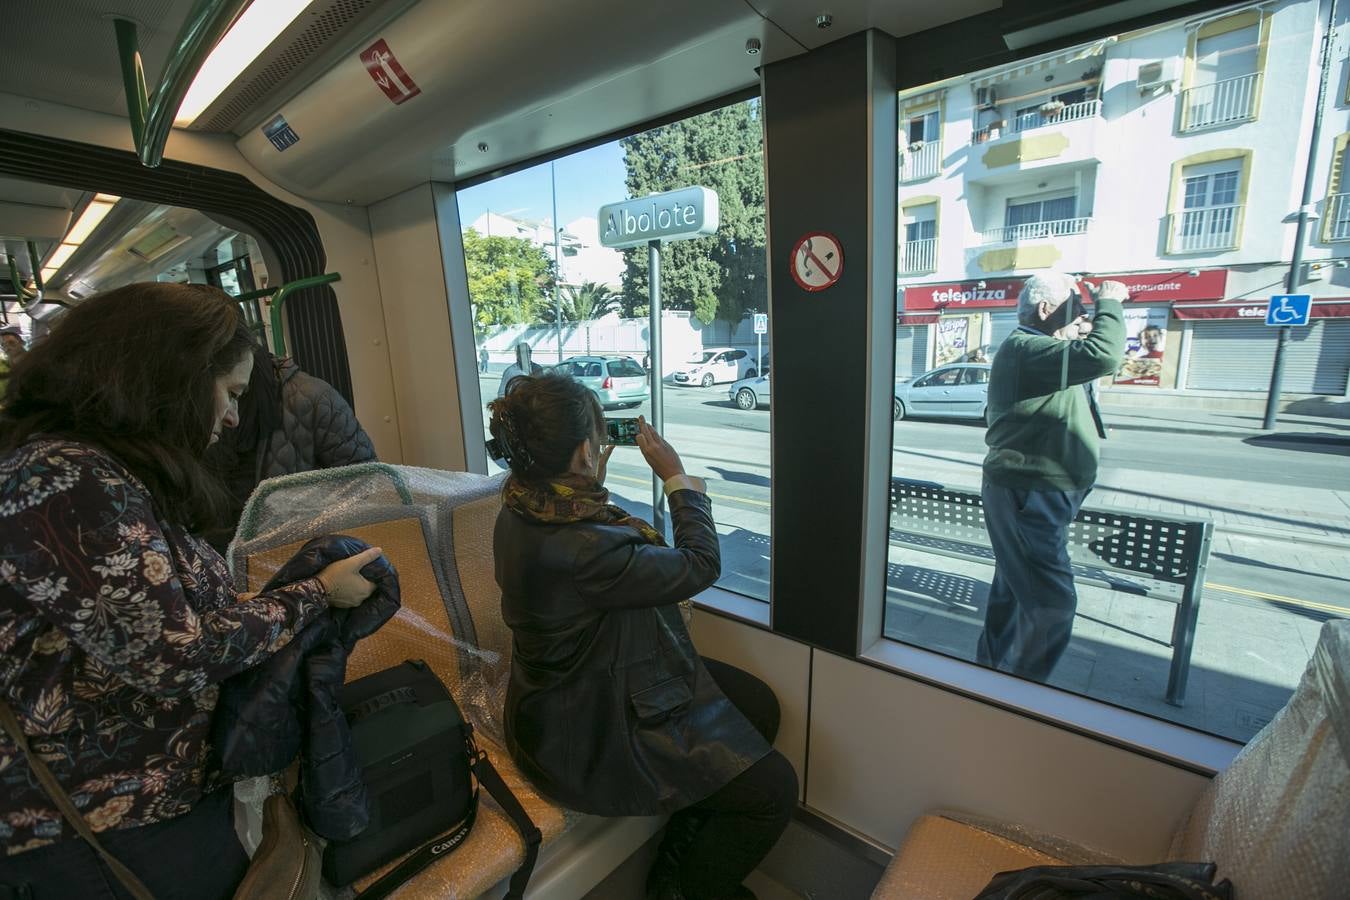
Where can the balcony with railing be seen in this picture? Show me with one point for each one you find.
(1050, 114)
(920, 160)
(918, 257)
(1338, 217)
(1031, 231)
(1202, 230)
(1225, 102)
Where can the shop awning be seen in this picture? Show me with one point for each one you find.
(1041, 64)
(1256, 312)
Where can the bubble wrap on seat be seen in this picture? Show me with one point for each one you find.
(411, 513)
(1276, 821)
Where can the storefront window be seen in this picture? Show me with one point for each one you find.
(539, 276)
(1160, 159)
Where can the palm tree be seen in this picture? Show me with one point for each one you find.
(581, 303)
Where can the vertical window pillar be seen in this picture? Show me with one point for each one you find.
(831, 154)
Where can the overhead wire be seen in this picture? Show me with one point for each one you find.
(789, 35)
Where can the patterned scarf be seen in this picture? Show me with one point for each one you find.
(570, 498)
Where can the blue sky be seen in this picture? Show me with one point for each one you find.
(586, 181)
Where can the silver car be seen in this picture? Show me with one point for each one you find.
(617, 383)
(958, 391)
(750, 393)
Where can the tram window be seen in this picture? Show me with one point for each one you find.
(1152, 165)
(553, 287)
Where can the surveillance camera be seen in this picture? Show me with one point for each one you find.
(752, 46)
(824, 20)
(1194, 273)
(980, 285)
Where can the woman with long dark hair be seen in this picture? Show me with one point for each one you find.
(610, 710)
(116, 624)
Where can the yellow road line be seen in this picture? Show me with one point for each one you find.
(728, 497)
(1277, 598)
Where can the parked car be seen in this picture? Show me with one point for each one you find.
(956, 391)
(750, 393)
(715, 365)
(617, 382)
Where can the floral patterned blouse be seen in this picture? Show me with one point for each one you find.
(115, 629)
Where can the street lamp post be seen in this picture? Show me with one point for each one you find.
(557, 261)
(1304, 215)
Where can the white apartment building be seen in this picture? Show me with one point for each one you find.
(1171, 158)
(581, 258)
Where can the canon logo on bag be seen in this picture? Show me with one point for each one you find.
(445, 846)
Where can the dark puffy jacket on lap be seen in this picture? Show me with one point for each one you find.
(266, 716)
(610, 710)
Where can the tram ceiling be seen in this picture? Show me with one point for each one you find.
(66, 52)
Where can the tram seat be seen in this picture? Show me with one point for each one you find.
(436, 527)
(1274, 821)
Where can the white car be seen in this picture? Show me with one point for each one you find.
(714, 365)
(750, 393)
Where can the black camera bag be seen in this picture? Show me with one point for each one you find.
(422, 771)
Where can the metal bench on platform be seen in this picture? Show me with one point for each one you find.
(1152, 555)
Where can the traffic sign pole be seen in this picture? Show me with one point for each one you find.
(654, 339)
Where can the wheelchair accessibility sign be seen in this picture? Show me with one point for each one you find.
(1289, 309)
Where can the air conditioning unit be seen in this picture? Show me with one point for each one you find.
(1157, 76)
(985, 98)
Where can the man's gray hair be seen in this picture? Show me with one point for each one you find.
(1052, 288)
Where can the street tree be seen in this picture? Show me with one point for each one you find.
(721, 275)
(580, 303)
(510, 279)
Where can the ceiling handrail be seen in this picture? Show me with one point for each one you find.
(152, 114)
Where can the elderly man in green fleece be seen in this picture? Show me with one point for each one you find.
(1044, 427)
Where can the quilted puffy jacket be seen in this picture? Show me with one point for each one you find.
(317, 430)
(288, 705)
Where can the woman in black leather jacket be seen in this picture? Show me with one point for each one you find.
(610, 709)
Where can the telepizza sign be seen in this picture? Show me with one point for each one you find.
(1150, 287)
(963, 295)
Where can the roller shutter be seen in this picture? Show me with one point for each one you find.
(1237, 356)
(911, 350)
(1001, 324)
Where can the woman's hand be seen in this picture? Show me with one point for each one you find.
(663, 459)
(342, 580)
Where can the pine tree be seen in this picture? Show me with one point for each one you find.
(721, 275)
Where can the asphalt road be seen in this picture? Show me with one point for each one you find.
(1224, 476)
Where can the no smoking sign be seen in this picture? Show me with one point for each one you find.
(817, 261)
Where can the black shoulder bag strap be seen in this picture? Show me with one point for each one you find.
(437, 847)
(489, 778)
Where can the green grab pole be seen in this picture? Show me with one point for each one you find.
(206, 25)
(279, 298)
(256, 295)
(36, 263)
(152, 113)
(133, 78)
(14, 280)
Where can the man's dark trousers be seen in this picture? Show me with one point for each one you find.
(1029, 615)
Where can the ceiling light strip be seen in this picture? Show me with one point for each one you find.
(251, 34)
(94, 213)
